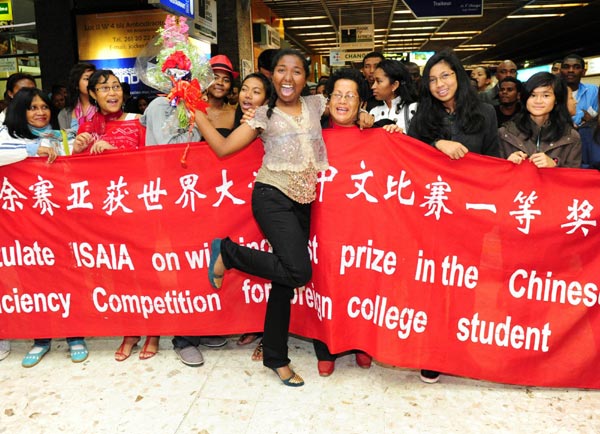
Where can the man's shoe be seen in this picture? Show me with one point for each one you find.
(190, 356)
(429, 377)
(213, 341)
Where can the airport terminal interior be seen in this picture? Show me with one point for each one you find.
(230, 393)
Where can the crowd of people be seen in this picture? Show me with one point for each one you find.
(550, 121)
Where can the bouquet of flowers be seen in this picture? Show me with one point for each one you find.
(170, 63)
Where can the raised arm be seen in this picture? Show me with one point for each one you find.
(239, 138)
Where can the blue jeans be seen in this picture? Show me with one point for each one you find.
(286, 224)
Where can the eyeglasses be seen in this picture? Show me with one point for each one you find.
(106, 89)
(443, 78)
(350, 97)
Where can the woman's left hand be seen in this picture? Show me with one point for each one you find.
(541, 160)
(365, 120)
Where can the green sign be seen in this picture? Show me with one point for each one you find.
(5, 11)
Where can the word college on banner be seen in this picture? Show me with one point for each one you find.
(475, 267)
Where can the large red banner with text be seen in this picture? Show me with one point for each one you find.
(475, 267)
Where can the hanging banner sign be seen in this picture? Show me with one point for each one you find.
(180, 7)
(357, 37)
(445, 8)
(340, 57)
(205, 21)
(475, 267)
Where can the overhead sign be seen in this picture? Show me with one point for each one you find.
(180, 7)
(205, 22)
(340, 57)
(357, 37)
(6, 10)
(445, 8)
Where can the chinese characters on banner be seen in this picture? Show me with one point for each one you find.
(475, 267)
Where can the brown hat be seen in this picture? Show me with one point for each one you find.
(220, 62)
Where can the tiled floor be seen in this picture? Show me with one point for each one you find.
(230, 394)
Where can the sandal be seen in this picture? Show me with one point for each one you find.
(79, 351)
(247, 338)
(149, 353)
(121, 354)
(257, 354)
(294, 381)
(34, 356)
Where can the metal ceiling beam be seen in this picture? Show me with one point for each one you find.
(331, 20)
(389, 25)
(298, 44)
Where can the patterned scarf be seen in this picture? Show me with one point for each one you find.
(84, 117)
(98, 124)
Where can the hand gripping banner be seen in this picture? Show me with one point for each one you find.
(475, 267)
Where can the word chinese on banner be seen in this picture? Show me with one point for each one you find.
(475, 267)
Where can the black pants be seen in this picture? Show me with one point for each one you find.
(286, 224)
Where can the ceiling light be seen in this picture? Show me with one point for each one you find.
(536, 16)
(560, 5)
(315, 34)
(424, 20)
(413, 28)
(312, 26)
(404, 12)
(478, 45)
(447, 38)
(303, 18)
(467, 32)
(320, 39)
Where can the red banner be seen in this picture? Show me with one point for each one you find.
(475, 267)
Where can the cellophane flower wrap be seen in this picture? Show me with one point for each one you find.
(171, 64)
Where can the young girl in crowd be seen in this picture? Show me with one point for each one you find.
(542, 132)
(451, 118)
(255, 91)
(483, 77)
(14, 83)
(78, 107)
(394, 88)
(109, 128)
(281, 201)
(27, 129)
(220, 113)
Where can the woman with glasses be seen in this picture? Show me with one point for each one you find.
(110, 127)
(347, 90)
(542, 132)
(394, 88)
(452, 119)
(450, 116)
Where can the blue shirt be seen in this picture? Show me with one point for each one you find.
(587, 96)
